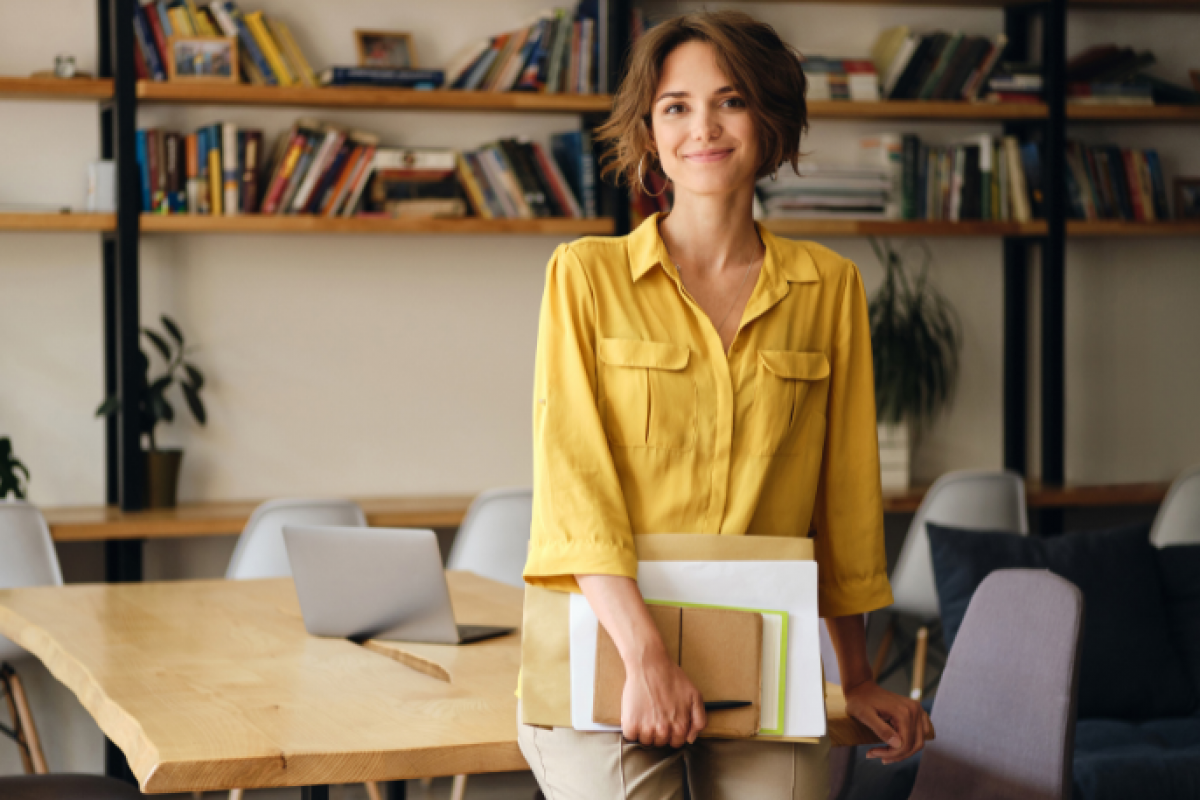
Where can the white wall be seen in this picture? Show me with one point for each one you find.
(385, 365)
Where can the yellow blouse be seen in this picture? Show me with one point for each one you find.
(643, 424)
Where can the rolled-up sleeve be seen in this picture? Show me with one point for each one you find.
(848, 514)
(580, 522)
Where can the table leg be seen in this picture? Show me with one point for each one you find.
(314, 792)
(396, 790)
(123, 561)
(115, 765)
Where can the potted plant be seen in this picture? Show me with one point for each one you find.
(915, 339)
(162, 464)
(10, 481)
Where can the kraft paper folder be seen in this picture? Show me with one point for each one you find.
(720, 649)
(546, 647)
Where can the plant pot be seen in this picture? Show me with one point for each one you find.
(162, 477)
(895, 456)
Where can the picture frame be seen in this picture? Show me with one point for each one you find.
(1187, 198)
(202, 59)
(388, 49)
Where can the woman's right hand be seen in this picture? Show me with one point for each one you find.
(660, 705)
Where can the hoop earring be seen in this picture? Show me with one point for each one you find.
(641, 162)
(775, 174)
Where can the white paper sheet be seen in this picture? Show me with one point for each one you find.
(789, 586)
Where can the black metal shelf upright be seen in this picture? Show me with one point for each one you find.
(1018, 22)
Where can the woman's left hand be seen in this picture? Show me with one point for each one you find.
(900, 722)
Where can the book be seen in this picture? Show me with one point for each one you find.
(472, 188)
(1018, 195)
(231, 174)
(229, 18)
(267, 46)
(531, 187)
(462, 62)
(979, 77)
(293, 56)
(324, 151)
(953, 43)
(250, 162)
(395, 77)
(491, 198)
(573, 152)
(357, 183)
(505, 68)
(885, 151)
(531, 74)
(505, 184)
(558, 183)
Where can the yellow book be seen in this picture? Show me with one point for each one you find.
(203, 22)
(180, 24)
(214, 183)
(292, 52)
(266, 43)
(467, 179)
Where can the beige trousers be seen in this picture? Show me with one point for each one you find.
(570, 765)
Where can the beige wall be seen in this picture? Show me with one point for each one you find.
(376, 365)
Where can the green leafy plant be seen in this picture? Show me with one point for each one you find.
(10, 466)
(916, 338)
(152, 404)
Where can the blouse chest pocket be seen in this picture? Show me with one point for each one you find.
(791, 387)
(648, 399)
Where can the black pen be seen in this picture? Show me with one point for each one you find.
(723, 705)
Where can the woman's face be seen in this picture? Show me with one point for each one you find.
(701, 127)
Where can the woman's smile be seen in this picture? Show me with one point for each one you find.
(708, 156)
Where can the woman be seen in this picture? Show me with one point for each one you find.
(701, 375)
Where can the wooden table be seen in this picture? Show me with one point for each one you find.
(212, 685)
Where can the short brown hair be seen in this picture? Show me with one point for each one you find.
(764, 68)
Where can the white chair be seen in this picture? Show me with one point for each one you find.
(494, 536)
(973, 499)
(27, 558)
(493, 541)
(260, 551)
(1178, 518)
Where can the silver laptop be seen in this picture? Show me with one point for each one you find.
(375, 583)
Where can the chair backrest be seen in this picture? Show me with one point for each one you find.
(260, 551)
(27, 556)
(1178, 518)
(975, 499)
(1005, 708)
(494, 537)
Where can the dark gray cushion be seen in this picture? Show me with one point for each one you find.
(1179, 567)
(1129, 761)
(1130, 667)
(66, 787)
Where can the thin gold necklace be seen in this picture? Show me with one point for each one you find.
(732, 305)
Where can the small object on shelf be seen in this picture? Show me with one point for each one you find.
(1187, 198)
(202, 59)
(64, 66)
(385, 49)
(102, 186)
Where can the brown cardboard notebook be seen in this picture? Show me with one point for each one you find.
(719, 649)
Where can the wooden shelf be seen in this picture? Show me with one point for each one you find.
(1136, 5)
(98, 523)
(942, 110)
(50, 221)
(370, 98)
(1039, 496)
(872, 227)
(1079, 112)
(254, 223)
(1114, 228)
(82, 89)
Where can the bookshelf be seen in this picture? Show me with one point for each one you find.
(45, 221)
(934, 110)
(1132, 114)
(81, 89)
(304, 223)
(370, 98)
(851, 227)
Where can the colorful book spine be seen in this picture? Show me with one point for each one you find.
(229, 18)
(473, 190)
(267, 46)
(193, 174)
(382, 76)
(143, 160)
(230, 198)
(145, 39)
(292, 53)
